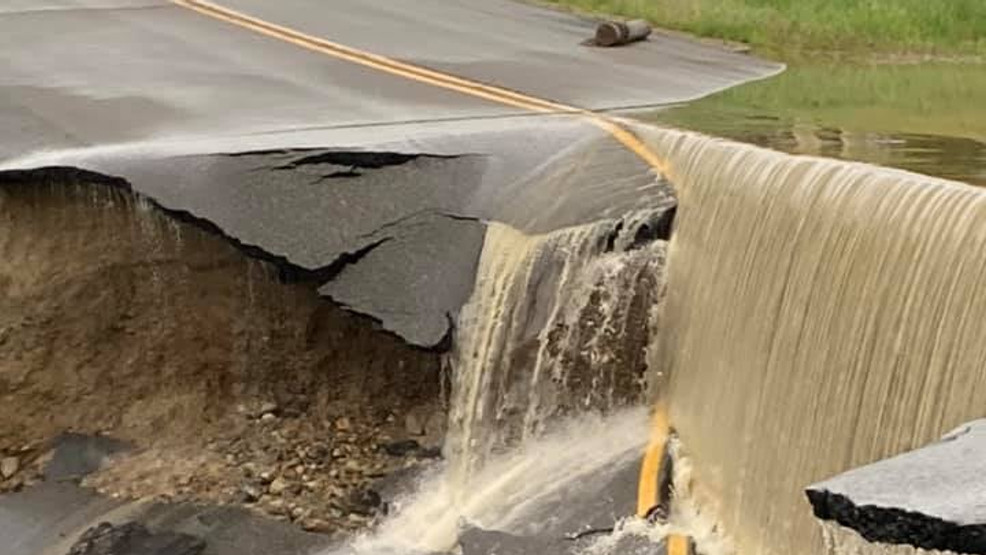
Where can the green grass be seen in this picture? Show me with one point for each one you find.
(787, 27)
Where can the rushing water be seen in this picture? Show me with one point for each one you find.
(557, 325)
(820, 315)
(508, 491)
(817, 315)
(549, 370)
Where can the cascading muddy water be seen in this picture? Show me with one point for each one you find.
(820, 315)
(557, 324)
(557, 327)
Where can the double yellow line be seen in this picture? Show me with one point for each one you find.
(648, 489)
(424, 75)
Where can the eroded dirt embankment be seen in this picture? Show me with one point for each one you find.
(235, 386)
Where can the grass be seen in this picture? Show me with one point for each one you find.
(785, 28)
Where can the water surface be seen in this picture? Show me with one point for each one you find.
(924, 117)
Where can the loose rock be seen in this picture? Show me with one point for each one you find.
(9, 466)
(250, 494)
(414, 424)
(343, 424)
(278, 486)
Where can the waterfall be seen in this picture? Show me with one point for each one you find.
(557, 324)
(548, 378)
(819, 315)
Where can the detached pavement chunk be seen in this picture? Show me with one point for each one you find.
(931, 498)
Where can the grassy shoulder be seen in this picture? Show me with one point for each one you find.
(791, 28)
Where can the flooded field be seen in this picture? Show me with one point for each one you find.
(923, 117)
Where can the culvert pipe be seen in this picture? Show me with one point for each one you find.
(618, 33)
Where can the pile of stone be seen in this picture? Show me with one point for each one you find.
(318, 473)
(18, 468)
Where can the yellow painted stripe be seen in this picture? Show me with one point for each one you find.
(648, 494)
(424, 75)
(679, 545)
(648, 487)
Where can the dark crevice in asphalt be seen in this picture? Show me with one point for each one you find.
(353, 159)
(898, 526)
(327, 273)
(589, 533)
(417, 214)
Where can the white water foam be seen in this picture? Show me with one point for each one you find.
(510, 489)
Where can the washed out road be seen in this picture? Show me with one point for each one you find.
(126, 87)
(381, 134)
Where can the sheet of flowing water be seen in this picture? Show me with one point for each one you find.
(550, 330)
(549, 359)
(510, 488)
(820, 315)
(686, 518)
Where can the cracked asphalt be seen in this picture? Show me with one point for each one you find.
(159, 95)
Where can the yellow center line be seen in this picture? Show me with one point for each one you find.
(424, 75)
(648, 490)
(679, 545)
(648, 494)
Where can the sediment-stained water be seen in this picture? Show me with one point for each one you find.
(511, 489)
(919, 117)
(557, 325)
(820, 315)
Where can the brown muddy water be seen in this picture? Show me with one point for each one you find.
(928, 118)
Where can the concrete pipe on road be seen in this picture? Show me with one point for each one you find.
(617, 33)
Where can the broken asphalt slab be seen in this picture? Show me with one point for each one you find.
(394, 235)
(931, 498)
(53, 517)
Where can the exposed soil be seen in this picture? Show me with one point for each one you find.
(233, 387)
